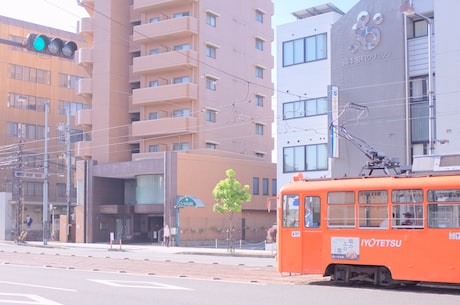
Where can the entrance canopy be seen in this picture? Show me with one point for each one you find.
(189, 201)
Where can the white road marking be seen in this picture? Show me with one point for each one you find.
(138, 284)
(24, 298)
(38, 286)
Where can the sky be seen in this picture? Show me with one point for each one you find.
(63, 14)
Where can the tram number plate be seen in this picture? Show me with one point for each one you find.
(295, 234)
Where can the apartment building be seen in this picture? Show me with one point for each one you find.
(392, 89)
(180, 92)
(30, 84)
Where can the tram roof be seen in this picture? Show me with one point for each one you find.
(451, 180)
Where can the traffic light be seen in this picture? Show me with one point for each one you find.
(51, 46)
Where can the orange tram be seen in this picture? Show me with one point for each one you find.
(385, 230)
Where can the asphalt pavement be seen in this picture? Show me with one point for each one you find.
(195, 262)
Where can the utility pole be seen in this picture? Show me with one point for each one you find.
(45, 180)
(19, 215)
(69, 160)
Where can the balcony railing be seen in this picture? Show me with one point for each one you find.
(168, 29)
(174, 92)
(168, 126)
(144, 5)
(165, 61)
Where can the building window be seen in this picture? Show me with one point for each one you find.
(181, 14)
(63, 106)
(210, 145)
(27, 102)
(420, 28)
(211, 51)
(181, 146)
(29, 74)
(184, 46)
(259, 100)
(211, 115)
(419, 110)
(12, 129)
(153, 83)
(265, 186)
(255, 186)
(259, 44)
(64, 80)
(154, 116)
(211, 83)
(305, 158)
(304, 50)
(182, 79)
(274, 187)
(154, 148)
(211, 19)
(259, 129)
(154, 51)
(259, 72)
(181, 112)
(305, 108)
(260, 16)
(154, 20)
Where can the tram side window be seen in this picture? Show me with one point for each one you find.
(341, 209)
(290, 211)
(407, 208)
(312, 211)
(446, 213)
(373, 209)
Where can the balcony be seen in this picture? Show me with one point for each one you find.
(85, 26)
(83, 149)
(170, 29)
(165, 61)
(85, 86)
(175, 92)
(161, 127)
(85, 56)
(144, 5)
(84, 117)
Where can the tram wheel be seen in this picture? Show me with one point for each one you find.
(384, 277)
(341, 274)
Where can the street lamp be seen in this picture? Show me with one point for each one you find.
(408, 10)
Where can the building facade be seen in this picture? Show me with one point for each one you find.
(180, 92)
(30, 84)
(303, 77)
(386, 92)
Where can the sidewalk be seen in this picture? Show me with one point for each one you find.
(153, 248)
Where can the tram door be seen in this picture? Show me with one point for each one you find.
(311, 235)
(289, 234)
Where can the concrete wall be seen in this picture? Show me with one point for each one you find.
(371, 75)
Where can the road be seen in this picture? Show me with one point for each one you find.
(92, 274)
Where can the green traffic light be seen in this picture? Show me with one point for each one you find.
(39, 43)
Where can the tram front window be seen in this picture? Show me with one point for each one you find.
(290, 211)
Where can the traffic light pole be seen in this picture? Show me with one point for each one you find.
(12, 43)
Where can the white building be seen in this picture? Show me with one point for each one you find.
(303, 77)
(377, 59)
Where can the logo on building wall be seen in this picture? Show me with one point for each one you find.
(365, 32)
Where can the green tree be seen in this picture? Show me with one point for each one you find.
(229, 195)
